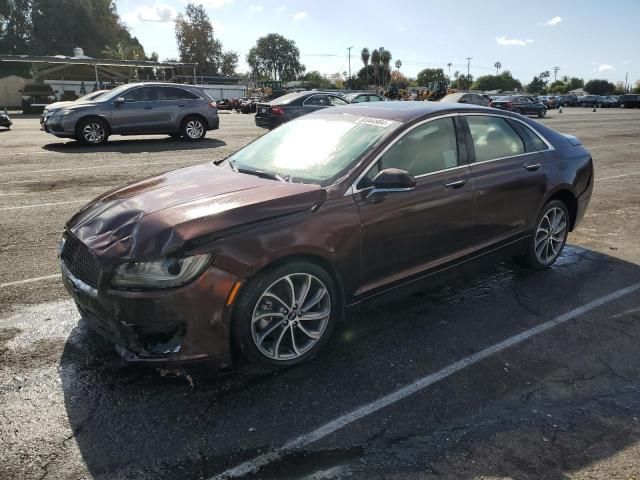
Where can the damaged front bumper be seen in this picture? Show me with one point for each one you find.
(164, 327)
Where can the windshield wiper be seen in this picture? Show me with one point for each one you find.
(261, 174)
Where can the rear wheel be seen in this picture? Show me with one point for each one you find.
(286, 315)
(92, 131)
(193, 129)
(549, 237)
(622, 105)
(542, 113)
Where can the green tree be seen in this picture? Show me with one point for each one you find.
(504, 81)
(385, 59)
(429, 76)
(276, 58)
(229, 63)
(574, 83)
(398, 64)
(365, 56)
(375, 61)
(315, 79)
(557, 87)
(599, 87)
(15, 26)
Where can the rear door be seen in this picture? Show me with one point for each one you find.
(510, 173)
(136, 114)
(172, 105)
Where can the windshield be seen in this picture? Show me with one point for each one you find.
(315, 149)
(91, 96)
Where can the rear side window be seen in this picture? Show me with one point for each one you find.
(172, 93)
(337, 101)
(533, 142)
(493, 138)
(374, 98)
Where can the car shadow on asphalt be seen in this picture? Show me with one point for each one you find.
(162, 144)
(131, 422)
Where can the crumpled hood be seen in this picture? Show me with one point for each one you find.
(155, 217)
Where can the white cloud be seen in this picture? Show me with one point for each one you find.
(300, 16)
(158, 13)
(604, 67)
(508, 42)
(403, 29)
(212, 3)
(256, 8)
(552, 22)
(281, 8)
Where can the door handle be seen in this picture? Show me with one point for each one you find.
(148, 108)
(532, 167)
(182, 105)
(456, 184)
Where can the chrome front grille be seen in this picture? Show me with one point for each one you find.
(80, 261)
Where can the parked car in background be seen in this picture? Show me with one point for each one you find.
(520, 104)
(609, 101)
(548, 101)
(35, 97)
(49, 109)
(363, 97)
(567, 100)
(629, 101)
(472, 98)
(249, 105)
(260, 253)
(590, 101)
(225, 104)
(181, 111)
(293, 105)
(5, 121)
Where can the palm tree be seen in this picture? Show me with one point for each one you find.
(375, 61)
(498, 66)
(449, 65)
(385, 58)
(365, 56)
(398, 64)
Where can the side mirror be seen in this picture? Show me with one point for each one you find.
(21, 90)
(118, 101)
(392, 180)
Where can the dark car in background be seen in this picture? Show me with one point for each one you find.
(548, 101)
(472, 98)
(567, 100)
(181, 111)
(629, 101)
(35, 97)
(293, 105)
(590, 101)
(361, 97)
(5, 121)
(520, 104)
(260, 253)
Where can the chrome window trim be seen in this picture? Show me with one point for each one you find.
(304, 102)
(354, 189)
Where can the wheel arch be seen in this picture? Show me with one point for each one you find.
(194, 115)
(567, 197)
(93, 117)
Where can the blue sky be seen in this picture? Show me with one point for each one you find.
(585, 39)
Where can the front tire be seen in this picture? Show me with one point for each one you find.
(542, 113)
(193, 129)
(549, 236)
(286, 315)
(92, 131)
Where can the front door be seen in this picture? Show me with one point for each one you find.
(136, 114)
(406, 233)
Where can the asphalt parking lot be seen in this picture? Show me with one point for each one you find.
(510, 374)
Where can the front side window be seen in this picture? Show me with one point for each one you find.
(317, 100)
(428, 148)
(337, 101)
(143, 94)
(493, 138)
(374, 98)
(359, 99)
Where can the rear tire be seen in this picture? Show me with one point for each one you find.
(542, 113)
(269, 324)
(193, 129)
(549, 236)
(92, 131)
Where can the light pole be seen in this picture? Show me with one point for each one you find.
(349, 79)
(466, 83)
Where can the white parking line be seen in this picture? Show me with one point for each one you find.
(613, 146)
(420, 384)
(617, 176)
(52, 204)
(29, 280)
(18, 172)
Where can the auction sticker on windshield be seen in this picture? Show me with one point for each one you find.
(376, 122)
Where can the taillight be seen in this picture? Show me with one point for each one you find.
(509, 104)
(492, 104)
(212, 105)
(277, 111)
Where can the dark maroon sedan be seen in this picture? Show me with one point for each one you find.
(263, 252)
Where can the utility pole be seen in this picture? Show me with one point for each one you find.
(626, 78)
(555, 73)
(466, 83)
(349, 80)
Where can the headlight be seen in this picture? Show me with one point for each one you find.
(165, 273)
(60, 113)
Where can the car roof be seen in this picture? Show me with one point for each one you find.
(403, 111)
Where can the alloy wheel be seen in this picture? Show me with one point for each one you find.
(291, 316)
(550, 235)
(194, 129)
(93, 132)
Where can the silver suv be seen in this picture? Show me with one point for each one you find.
(137, 109)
